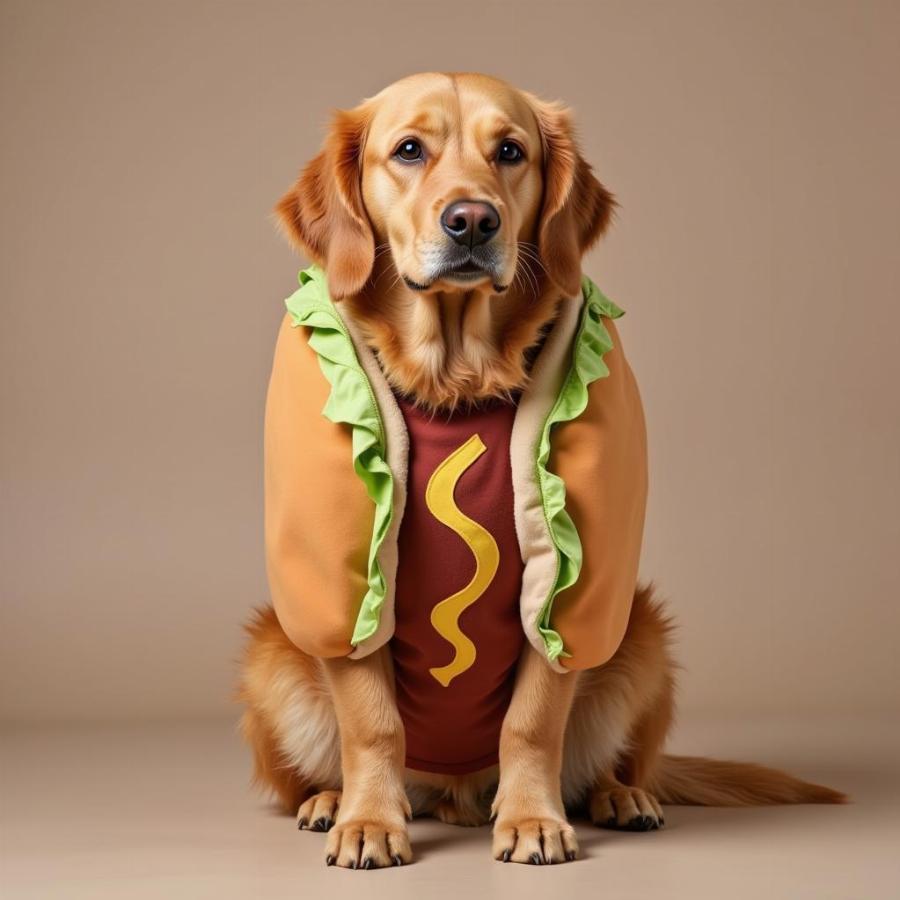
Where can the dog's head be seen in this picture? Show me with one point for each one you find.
(460, 177)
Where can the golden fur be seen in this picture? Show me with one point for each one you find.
(326, 735)
(445, 345)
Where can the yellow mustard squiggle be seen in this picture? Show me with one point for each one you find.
(440, 502)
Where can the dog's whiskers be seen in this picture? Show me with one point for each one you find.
(522, 265)
(530, 252)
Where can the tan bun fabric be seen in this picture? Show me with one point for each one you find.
(602, 458)
(318, 516)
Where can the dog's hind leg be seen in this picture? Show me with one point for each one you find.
(615, 805)
(271, 769)
(289, 719)
(318, 812)
(620, 798)
(619, 723)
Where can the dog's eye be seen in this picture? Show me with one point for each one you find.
(510, 152)
(409, 151)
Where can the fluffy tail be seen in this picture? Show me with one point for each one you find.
(695, 781)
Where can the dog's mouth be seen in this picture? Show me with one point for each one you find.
(467, 271)
(471, 272)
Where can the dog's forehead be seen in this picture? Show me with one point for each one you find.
(442, 104)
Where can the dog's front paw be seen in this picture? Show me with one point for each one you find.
(363, 844)
(538, 841)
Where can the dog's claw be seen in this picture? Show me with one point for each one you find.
(368, 863)
(323, 823)
(535, 859)
(397, 859)
(506, 855)
(570, 855)
(302, 823)
(330, 860)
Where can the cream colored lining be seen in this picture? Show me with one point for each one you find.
(397, 441)
(535, 541)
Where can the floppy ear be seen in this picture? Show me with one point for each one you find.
(323, 214)
(576, 208)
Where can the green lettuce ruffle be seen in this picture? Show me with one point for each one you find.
(592, 342)
(350, 402)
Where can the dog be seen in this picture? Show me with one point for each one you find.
(450, 214)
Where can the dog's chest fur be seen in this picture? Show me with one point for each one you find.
(458, 634)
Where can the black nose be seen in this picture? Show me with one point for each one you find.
(470, 222)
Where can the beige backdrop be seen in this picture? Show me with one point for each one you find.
(754, 148)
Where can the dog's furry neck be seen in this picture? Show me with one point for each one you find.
(450, 350)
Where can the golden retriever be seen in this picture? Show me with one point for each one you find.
(451, 213)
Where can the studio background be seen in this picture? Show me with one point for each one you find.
(753, 149)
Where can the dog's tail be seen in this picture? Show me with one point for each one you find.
(695, 781)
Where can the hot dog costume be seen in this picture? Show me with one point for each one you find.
(455, 537)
